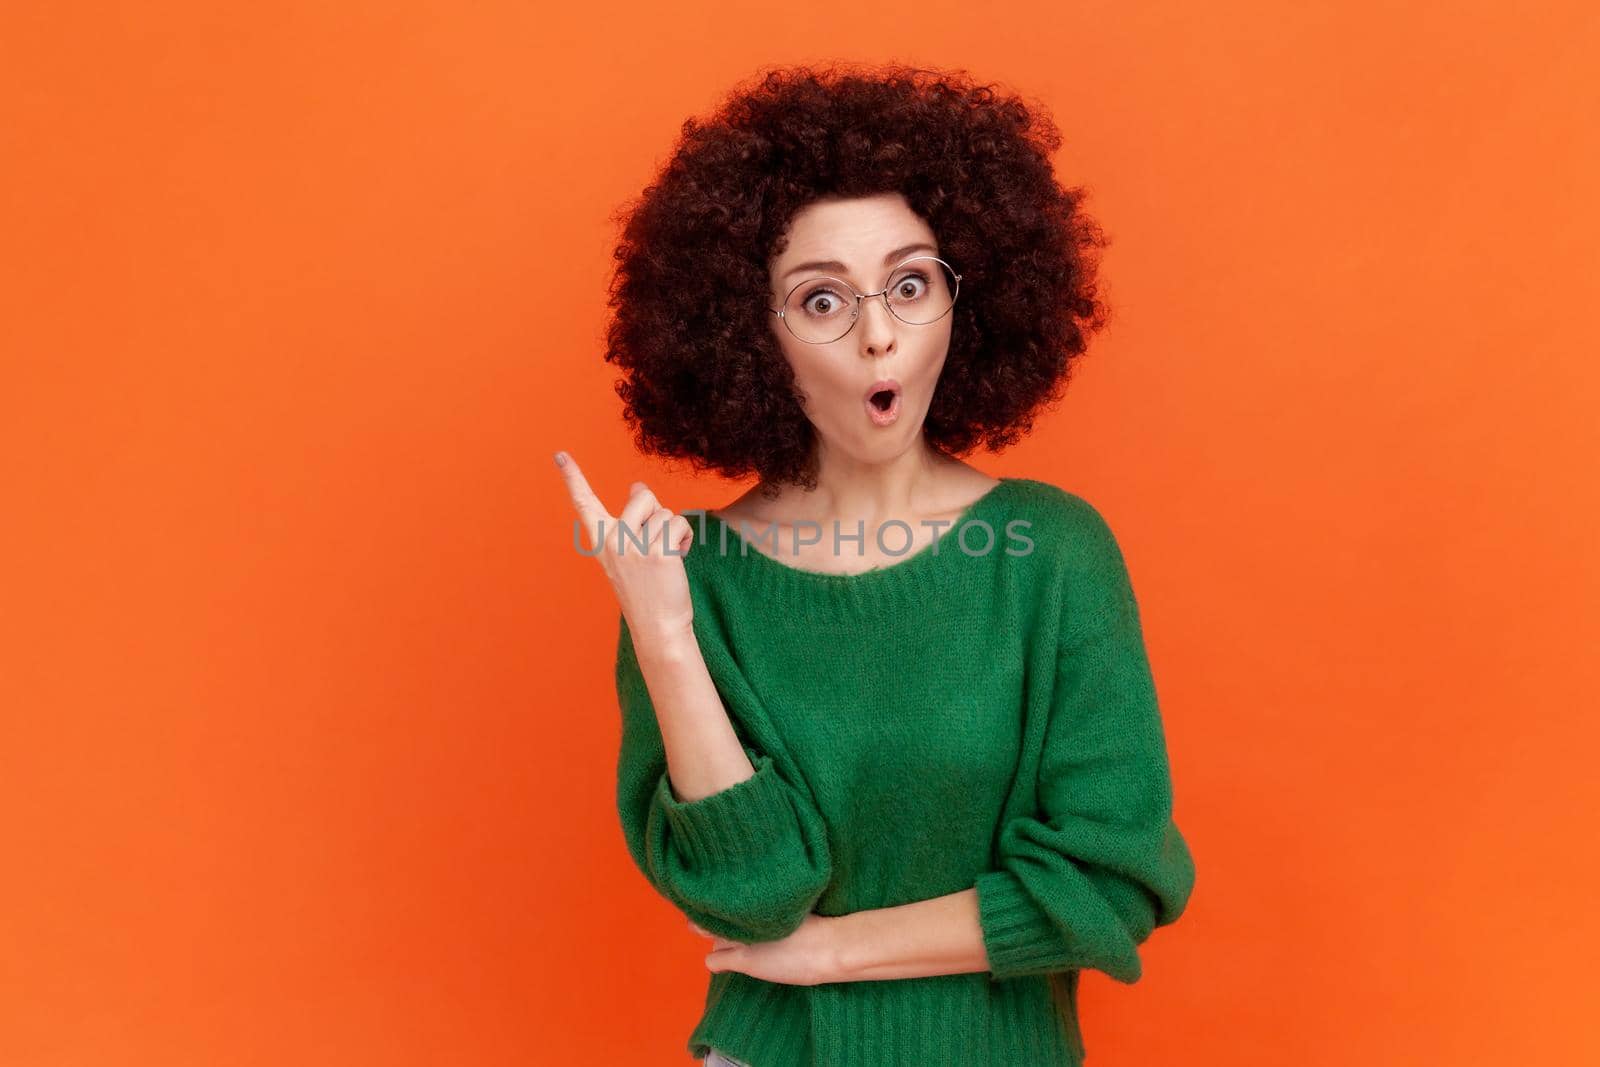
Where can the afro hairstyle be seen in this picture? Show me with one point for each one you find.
(704, 377)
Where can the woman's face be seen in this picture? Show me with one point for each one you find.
(860, 241)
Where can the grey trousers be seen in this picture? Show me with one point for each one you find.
(717, 1059)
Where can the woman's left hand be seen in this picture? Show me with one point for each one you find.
(809, 956)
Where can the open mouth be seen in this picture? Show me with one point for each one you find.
(883, 401)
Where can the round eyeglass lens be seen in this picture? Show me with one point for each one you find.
(921, 290)
(820, 310)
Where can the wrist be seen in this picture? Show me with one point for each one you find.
(840, 949)
(664, 643)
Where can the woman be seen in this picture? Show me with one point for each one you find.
(889, 734)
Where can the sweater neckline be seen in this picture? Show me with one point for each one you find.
(889, 576)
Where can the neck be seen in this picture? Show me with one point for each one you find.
(849, 489)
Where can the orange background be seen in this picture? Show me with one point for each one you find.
(307, 728)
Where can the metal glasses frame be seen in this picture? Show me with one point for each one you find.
(861, 298)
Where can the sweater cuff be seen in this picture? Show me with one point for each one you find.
(1018, 936)
(747, 819)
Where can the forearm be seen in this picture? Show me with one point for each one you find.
(704, 755)
(922, 939)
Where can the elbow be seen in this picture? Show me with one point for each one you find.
(746, 863)
(755, 903)
(1137, 911)
(769, 914)
(1113, 947)
(1121, 962)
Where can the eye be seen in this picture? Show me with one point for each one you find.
(823, 301)
(910, 286)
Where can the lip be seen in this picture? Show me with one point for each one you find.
(882, 418)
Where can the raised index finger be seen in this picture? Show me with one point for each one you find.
(590, 510)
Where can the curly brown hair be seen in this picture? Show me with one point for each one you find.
(704, 377)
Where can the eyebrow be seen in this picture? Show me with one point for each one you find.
(888, 261)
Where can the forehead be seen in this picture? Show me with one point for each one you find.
(854, 230)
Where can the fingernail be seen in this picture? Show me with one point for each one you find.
(561, 459)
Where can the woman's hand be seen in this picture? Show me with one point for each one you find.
(809, 956)
(651, 585)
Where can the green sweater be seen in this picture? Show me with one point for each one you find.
(954, 718)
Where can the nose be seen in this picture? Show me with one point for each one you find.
(877, 327)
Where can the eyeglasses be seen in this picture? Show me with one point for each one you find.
(920, 290)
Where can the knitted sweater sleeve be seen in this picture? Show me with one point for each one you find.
(748, 862)
(1087, 879)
